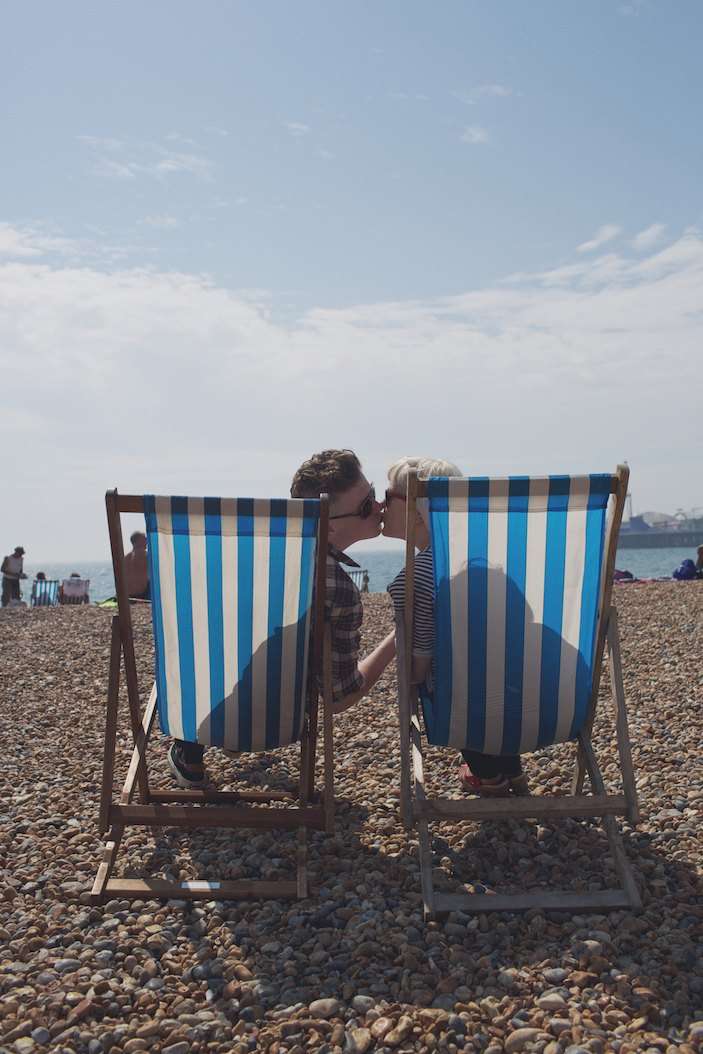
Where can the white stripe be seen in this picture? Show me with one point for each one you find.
(167, 585)
(571, 614)
(201, 638)
(495, 614)
(262, 526)
(289, 637)
(230, 622)
(458, 531)
(534, 612)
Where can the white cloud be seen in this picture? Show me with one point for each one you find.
(470, 98)
(163, 222)
(101, 142)
(649, 237)
(295, 128)
(474, 133)
(500, 91)
(28, 242)
(604, 234)
(179, 385)
(145, 159)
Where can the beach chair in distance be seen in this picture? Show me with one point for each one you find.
(233, 583)
(45, 593)
(75, 591)
(523, 571)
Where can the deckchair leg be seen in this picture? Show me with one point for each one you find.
(617, 851)
(327, 729)
(110, 726)
(107, 863)
(424, 846)
(404, 710)
(618, 691)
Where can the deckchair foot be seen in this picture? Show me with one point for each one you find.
(160, 889)
(605, 900)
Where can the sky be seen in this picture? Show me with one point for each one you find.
(235, 233)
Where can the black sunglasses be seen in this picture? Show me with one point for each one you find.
(390, 494)
(364, 510)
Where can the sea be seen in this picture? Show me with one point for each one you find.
(382, 566)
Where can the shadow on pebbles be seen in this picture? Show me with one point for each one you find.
(352, 968)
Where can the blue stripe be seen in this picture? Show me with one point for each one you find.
(215, 618)
(518, 500)
(555, 557)
(437, 710)
(478, 611)
(184, 616)
(307, 554)
(245, 616)
(598, 495)
(157, 618)
(274, 647)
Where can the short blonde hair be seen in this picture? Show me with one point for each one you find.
(426, 467)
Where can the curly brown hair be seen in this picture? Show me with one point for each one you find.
(329, 472)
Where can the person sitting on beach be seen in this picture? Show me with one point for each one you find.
(699, 561)
(136, 568)
(354, 515)
(75, 594)
(12, 573)
(484, 774)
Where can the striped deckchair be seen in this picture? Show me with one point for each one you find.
(45, 592)
(233, 584)
(523, 571)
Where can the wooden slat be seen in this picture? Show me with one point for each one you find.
(213, 816)
(139, 751)
(159, 888)
(623, 733)
(327, 729)
(422, 485)
(608, 899)
(113, 688)
(110, 851)
(130, 503)
(215, 797)
(518, 808)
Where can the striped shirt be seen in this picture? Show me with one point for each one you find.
(423, 622)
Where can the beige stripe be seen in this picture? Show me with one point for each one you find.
(201, 640)
(290, 637)
(260, 622)
(167, 584)
(534, 612)
(495, 617)
(458, 530)
(571, 613)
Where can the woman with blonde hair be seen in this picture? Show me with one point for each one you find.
(484, 774)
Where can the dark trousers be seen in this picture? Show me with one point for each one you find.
(10, 590)
(488, 766)
(192, 752)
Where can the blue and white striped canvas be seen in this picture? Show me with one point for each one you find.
(232, 588)
(45, 593)
(518, 567)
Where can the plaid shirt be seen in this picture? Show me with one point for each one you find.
(344, 612)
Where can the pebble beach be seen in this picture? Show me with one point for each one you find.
(353, 968)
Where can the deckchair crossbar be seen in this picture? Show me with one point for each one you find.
(530, 807)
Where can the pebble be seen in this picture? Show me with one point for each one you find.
(352, 968)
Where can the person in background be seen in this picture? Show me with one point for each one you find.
(485, 774)
(699, 561)
(12, 572)
(136, 568)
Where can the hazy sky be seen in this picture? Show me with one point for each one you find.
(234, 233)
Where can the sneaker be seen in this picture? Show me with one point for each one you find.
(497, 788)
(188, 776)
(520, 786)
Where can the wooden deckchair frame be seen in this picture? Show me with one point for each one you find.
(204, 808)
(417, 809)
